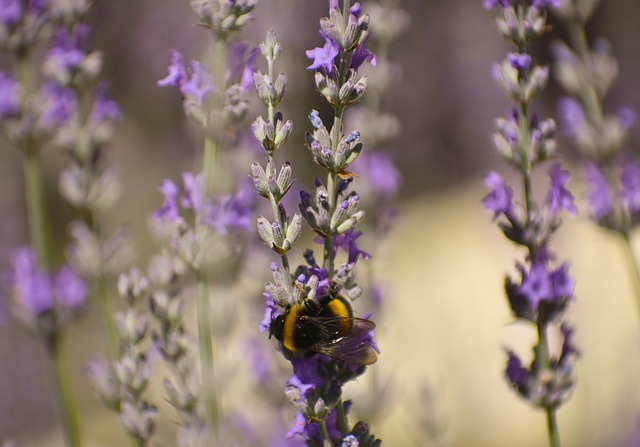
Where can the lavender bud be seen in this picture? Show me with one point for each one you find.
(133, 371)
(260, 180)
(278, 235)
(283, 130)
(131, 327)
(537, 82)
(261, 83)
(104, 382)
(132, 286)
(284, 178)
(270, 47)
(508, 24)
(265, 230)
(352, 221)
(280, 87)
(137, 422)
(294, 229)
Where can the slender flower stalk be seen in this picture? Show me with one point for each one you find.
(214, 99)
(587, 70)
(543, 291)
(304, 306)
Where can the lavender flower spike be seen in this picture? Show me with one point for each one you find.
(543, 291)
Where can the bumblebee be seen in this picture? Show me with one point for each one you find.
(327, 327)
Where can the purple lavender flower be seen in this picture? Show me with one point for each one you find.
(196, 83)
(516, 373)
(192, 197)
(559, 197)
(571, 117)
(169, 209)
(382, 174)
(69, 289)
(520, 62)
(58, 105)
(562, 283)
(361, 55)
(10, 11)
(492, 4)
(32, 286)
(630, 184)
(540, 4)
(324, 58)
(177, 73)
(9, 96)
(230, 212)
(599, 193)
(199, 84)
(241, 66)
(536, 285)
(270, 312)
(348, 242)
(499, 199)
(104, 108)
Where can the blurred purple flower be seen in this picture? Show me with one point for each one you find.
(559, 196)
(571, 116)
(562, 283)
(69, 289)
(199, 84)
(627, 117)
(10, 11)
(516, 373)
(32, 286)
(542, 3)
(192, 197)
(599, 193)
(259, 360)
(500, 197)
(9, 96)
(196, 84)
(380, 172)
(169, 209)
(323, 58)
(520, 62)
(231, 212)
(630, 184)
(58, 105)
(241, 65)
(104, 108)
(567, 346)
(177, 73)
(491, 4)
(536, 285)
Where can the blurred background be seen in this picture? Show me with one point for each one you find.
(446, 321)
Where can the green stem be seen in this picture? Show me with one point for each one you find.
(590, 98)
(64, 396)
(341, 418)
(107, 311)
(205, 341)
(326, 439)
(37, 209)
(552, 428)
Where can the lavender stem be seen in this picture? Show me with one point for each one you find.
(65, 398)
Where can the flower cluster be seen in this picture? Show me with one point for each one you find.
(44, 302)
(308, 310)
(586, 73)
(544, 288)
(122, 387)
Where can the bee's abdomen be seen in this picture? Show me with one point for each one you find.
(338, 307)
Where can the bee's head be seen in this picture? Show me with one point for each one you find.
(276, 327)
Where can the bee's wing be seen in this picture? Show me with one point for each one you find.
(354, 347)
